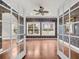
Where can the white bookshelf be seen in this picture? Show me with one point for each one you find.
(12, 33)
(68, 30)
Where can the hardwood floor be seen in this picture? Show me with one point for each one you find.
(37, 49)
(41, 49)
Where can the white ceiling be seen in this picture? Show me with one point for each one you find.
(50, 5)
(30, 5)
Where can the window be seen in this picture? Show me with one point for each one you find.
(48, 28)
(33, 28)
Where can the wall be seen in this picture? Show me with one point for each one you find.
(42, 33)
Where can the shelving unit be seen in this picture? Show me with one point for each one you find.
(12, 38)
(68, 32)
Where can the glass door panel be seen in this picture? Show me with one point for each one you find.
(61, 29)
(60, 42)
(66, 46)
(20, 35)
(74, 41)
(21, 47)
(66, 18)
(14, 28)
(66, 29)
(74, 15)
(74, 48)
(75, 29)
(60, 20)
(4, 28)
(66, 39)
(21, 20)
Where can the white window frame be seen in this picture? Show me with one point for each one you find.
(33, 29)
(48, 34)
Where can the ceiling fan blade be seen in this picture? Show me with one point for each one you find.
(45, 11)
(37, 13)
(36, 10)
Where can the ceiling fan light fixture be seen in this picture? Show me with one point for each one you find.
(41, 11)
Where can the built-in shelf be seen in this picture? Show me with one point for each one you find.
(76, 49)
(68, 32)
(12, 40)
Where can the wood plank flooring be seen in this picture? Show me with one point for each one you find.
(37, 49)
(41, 49)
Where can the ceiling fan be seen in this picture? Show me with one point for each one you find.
(41, 11)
